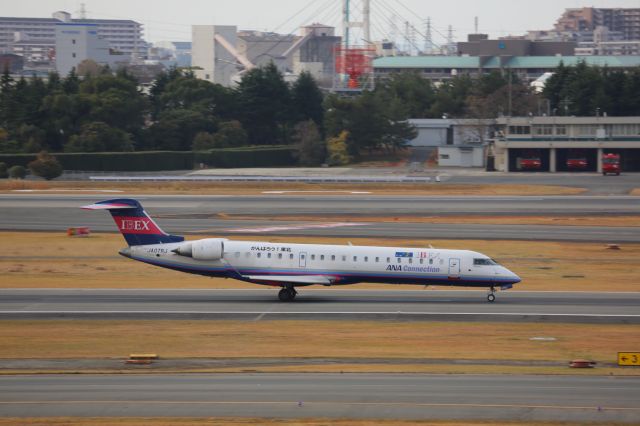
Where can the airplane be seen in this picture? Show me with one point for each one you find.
(288, 265)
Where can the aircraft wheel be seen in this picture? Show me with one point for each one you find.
(491, 297)
(286, 294)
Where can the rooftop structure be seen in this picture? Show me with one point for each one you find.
(529, 68)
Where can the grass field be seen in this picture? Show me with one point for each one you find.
(348, 340)
(217, 421)
(53, 260)
(252, 188)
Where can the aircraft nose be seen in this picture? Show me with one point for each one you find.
(504, 272)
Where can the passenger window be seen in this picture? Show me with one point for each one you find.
(388, 260)
(377, 259)
(291, 256)
(269, 255)
(302, 256)
(430, 261)
(441, 261)
(237, 254)
(399, 260)
(322, 257)
(279, 255)
(258, 255)
(344, 258)
(366, 258)
(333, 257)
(355, 258)
(247, 254)
(410, 260)
(421, 261)
(313, 257)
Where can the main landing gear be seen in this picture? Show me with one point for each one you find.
(491, 297)
(287, 294)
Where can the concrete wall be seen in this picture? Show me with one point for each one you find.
(218, 65)
(455, 156)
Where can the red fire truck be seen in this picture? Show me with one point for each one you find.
(611, 164)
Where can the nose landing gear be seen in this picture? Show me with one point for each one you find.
(491, 297)
(287, 294)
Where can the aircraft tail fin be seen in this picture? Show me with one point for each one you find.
(134, 223)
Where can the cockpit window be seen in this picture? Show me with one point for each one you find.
(482, 262)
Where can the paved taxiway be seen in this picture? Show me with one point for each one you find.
(321, 304)
(394, 396)
(198, 215)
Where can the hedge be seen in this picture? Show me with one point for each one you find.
(271, 156)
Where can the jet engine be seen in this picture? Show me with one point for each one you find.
(206, 249)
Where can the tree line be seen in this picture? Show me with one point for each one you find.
(107, 111)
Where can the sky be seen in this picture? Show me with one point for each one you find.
(172, 20)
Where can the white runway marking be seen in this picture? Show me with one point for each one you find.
(67, 190)
(297, 227)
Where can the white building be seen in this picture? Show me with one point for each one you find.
(78, 42)
(34, 38)
(212, 60)
(457, 142)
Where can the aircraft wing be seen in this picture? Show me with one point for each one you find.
(293, 279)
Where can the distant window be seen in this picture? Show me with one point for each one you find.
(520, 130)
(444, 156)
(561, 130)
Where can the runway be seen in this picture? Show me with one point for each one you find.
(351, 396)
(199, 215)
(322, 304)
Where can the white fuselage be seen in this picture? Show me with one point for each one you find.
(306, 264)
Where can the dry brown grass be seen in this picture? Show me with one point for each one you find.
(53, 260)
(332, 339)
(494, 220)
(252, 188)
(225, 421)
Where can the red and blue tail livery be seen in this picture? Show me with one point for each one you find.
(134, 223)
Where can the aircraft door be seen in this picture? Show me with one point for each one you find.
(302, 259)
(454, 267)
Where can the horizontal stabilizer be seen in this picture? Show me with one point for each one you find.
(108, 206)
(293, 279)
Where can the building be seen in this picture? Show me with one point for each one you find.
(553, 141)
(34, 38)
(624, 20)
(13, 63)
(221, 54)
(480, 45)
(170, 53)
(78, 42)
(213, 53)
(454, 142)
(528, 68)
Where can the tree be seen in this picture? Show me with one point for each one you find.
(264, 105)
(176, 129)
(17, 172)
(310, 148)
(46, 166)
(337, 152)
(3, 171)
(203, 141)
(230, 134)
(306, 100)
(99, 137)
